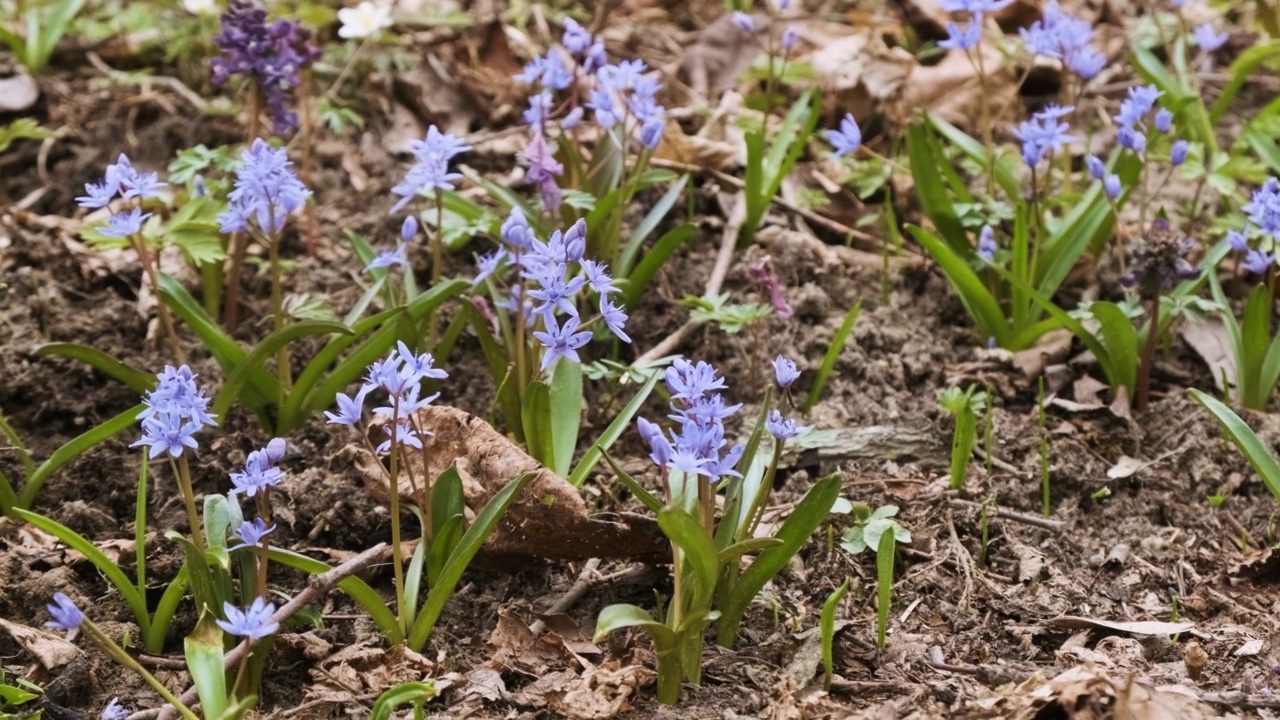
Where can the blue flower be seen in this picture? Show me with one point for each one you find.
(349, 409)
(743, 21)
(561, 341)
(1141, 101)
(252, 533)
(1208, 39)
(167, 432)
(1263, 208)
(789, 38)
(113, 711)
(785, 371)
(848, 138)
(548, 71)
(253, 622)
(66, 616)
(575, 39)
(1087, 63)
(1164, 120)
(782, 428)
(124, 224)
(1111, 185)
(516, 232)
(1178, 152)
(430, 170)
(1096, 167)
(1043, 134)
(651, 133)
(120, 177)
(543, 171)
(390, 258)
(1132, 139)
(598, 279)
(659, 446)
(409, 228)
(973, 6)
(259, 474)
(1257, 261)
(402, 433)
(689, 382)
(601, 101)
(961, 38)
(614, 318)
(266, 191)
(488, 264)
(987, 244)
(1237, 241)
(540, 105)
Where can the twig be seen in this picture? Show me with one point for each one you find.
(1024, 518)
(317, 587)
(586, 579)
(939, 661)
(173, 84)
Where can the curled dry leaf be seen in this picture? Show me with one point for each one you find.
(952, 91)
(49, 649)
(722, 52)
(859, 69)
(548, 520)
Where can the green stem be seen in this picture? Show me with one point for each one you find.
(117, 653)
(264, 547)
(183, 471)
(670, 673)
(1148, 356)
(283, 370)
(397, 555)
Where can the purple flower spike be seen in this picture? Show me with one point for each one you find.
(271, 54)
(987, 244)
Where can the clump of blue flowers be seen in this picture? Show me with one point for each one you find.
(266, 191)
(696, 445)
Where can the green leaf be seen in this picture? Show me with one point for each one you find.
(634, 284)
(620, 423)
(255, 361)
(535, 415)
(205, 663)
(402, 694)
(977, 299)
(884, 584)
(136, 602)
(73, 448)
(617, 617)
(565, 413)
(828, 624)
(699, 552)
(1004, 175)
(832, 355)
(1240, 70)
(746, 547)
(1249, 444)
(645, 497)
(1117, 333)
(136, 380)
(153, 637)
(475, 536)
(656, 215)
(21, 129)
(794, 533)
(357, 589)
(932, 193)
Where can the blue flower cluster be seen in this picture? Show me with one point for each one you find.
(269, 53)
(1263, 213)
(551, 274)
(260, 471)
(1134, 110)
(1043, 134)
(400, 375)
(266, 191)
(699, 410)
(959, 38)
(175, 411)
(622, 94)
(124, 180)
(430, 171)
(1063, 36)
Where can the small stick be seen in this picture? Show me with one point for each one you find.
(1025, 519)
(317, 587)
(586, 579)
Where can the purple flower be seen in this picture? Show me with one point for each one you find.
(270, 54)
(409, 228)
(1178, 152)
(66, 616)
(1063, 36)
(113, 711)
(596, 57)
(575, 39)
(1141, 101)
(488, 264)
(785, 371)
(124, 224)
(659, 446)
(690, 382)
(1160, 260)
(547, 71)
(1111, 185)
(848, 138)
(651, 133)
(961, 38)
(253, 622)
(430, 170)
(614, 318)
(252, 533)
(402, 433)
(1257, 261)
(175, 411)
(987, 244)
(973, 6)
(266, 191)
(782, 428)
(1097, 168)
(349, 409)
(516, 232)
(561, 341)
(397, 257)
(573, 119)
(1208, 39)
(1087, 63)
(602, 102)
(1132, 139)
(1043, 134)
(121, 178)
(543, 171)
(743, 21)
(1263, 208)
(259, 474)
(699, 410)
(1237, 241)
(1164, 120)
(789, 38)
(598, 279)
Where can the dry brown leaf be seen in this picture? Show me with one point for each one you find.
(548, 520)
(1051, 348)
(1141, 627)
(951, 89)
(859, 69)
(1210, 341)
(52, 651)
(722, 52)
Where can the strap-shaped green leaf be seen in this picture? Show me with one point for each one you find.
(699, 552)
(471, 542)
(834, 348)
(402, 694)
(651, 220)
(884, 583)
(1117, 333)
(1245, 439)
(565, 405)
(637, 281)
(203, 650)
(645, 497)
(535, 416)
(353, 586)
(932, 193)
(238, 378)
(745, 547)
(73, 448)
(828, 624)
(977, 299)
(614, 431)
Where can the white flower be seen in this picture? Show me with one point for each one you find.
(362, 21)
(201, 7)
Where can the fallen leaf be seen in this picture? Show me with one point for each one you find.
(952, 90)
(50, 650)
(1125, 467)
(858, 70)
(1210, 341)
(1140, 627)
